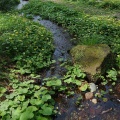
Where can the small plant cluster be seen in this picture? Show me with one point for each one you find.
(25, 43)
(110, 77)
(6, 5)
(106, 4)
(72, 81)
(86, 29)
(23, 100)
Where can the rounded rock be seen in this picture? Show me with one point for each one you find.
(88, 95)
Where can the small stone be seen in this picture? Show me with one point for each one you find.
(94, 101)
(93, 87)
(88, 95)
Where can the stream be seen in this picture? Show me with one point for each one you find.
(68, 110)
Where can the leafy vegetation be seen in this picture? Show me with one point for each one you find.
(27, 47)
(6, 5)
(25, 100)
(106, 4)
(86, 29)
(72, 81)
(23, 97)
(25, 43)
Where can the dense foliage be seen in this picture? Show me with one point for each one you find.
(27, 43)
(85, 28)
(106, 4)
(6, 5)
(27, 47)
(25, 100)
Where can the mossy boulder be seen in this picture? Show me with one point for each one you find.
(91, 58)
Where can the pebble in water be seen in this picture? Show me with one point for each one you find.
(93, 87)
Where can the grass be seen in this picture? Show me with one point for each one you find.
(84, 7)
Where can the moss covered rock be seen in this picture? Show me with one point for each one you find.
(90, 58)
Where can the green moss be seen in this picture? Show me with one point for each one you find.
(90, 57)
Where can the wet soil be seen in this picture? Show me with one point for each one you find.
(87, 110)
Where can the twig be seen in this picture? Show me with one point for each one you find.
(103, 112)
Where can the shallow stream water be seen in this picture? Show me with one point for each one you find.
(109, 110)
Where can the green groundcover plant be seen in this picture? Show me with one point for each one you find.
(25, 43)
(106, 4)
(23, 100)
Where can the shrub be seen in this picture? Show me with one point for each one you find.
(25, 42)
(6, 5)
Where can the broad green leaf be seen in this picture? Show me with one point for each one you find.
(3, 90)
(69, 80)
(31, 86)
(21, 90)
(31, 108)
(51, 92)
(21, 97)
(4, 105)
(62, 88)
(37, 87)
(37, 94)
(25, 105)
(78, 82)
(41, 118)
(15, 86)
(36, 101)
(46, 110)
(112, 74)
(46, 97)
(10, 102)
(16, 113)
(11, 96)
(83, 87)
(3, 113)
(26, 115)
(113, 83)
(54, 83)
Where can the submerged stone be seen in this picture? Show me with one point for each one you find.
(88, 95)
(90, 58)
